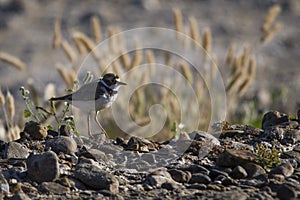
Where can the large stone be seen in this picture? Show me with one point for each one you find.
(180, 176)
(36, 130)
(273, 118)
(285, 169)
(16, 150)
(233, 158)
(159, 177)
(62, 144)
(254, 170)
(95, 178)
(53, 188)
(238, 173)
(4, 187)
(43, 167)
(286, 191)
(200, 179)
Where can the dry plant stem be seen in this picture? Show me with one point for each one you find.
(2, 99)
(150, 58)
(251, 75)
(137, 58)
(69, 51)
(245, 56)
(125, 59)
(79, 46)
(12, 60)
(270, 33)
(96, 29)
(207, 41)
(11, 105)
(272, 14)
(235, 80)
(230, 55)
(195, 32)
(186, 71)
(178, 21)
(57, 33)
(65, 75)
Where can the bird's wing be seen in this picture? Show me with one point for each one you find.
(89, 92)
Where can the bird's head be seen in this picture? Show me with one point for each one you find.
(112, 81)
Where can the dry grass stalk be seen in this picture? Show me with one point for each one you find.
(117, 67)
(11, 105)
(234, 82)
(236, 67)
(57, 33)
(2, 98)
(125, 60)
(14, 133)
(65, 75)
(271, 32)
(69, 51)
(195, 31)
(230, 55)
(207, 41)
(251, 74)
(272, 14)
(245, 56)
(150, 58)
(111, 31)
(79, 46)
(186, 71)
(87, 42)
(96, 29)
(214, 67)
(14, 61)
(168, 60)
(137, 58)
(178, 21)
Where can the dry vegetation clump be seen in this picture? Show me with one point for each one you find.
(241, 68)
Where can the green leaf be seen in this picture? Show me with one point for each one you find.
(27, 113)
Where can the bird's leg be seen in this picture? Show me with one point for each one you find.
(88, 123)
(97, 121)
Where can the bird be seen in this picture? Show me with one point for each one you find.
(94, 96)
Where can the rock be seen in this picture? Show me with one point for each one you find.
(273, 118)
(95, 154)
(43, 167)
(253, 170)
(20, 196)
(295, 155)
(4, 187)
(200, 179)
(194, 168)
(238, 173)
(215, 172)
(203, 136)
(180, 176)
(36, 130)
(95, 178)
(62, 144)
(159, 177)
(16, 151)
(53, 188)
(286, 169)
(233, 158)
(286, 191)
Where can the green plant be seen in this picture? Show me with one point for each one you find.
(40, 114)
(266, 157)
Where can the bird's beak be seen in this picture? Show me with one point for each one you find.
(121, 83)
